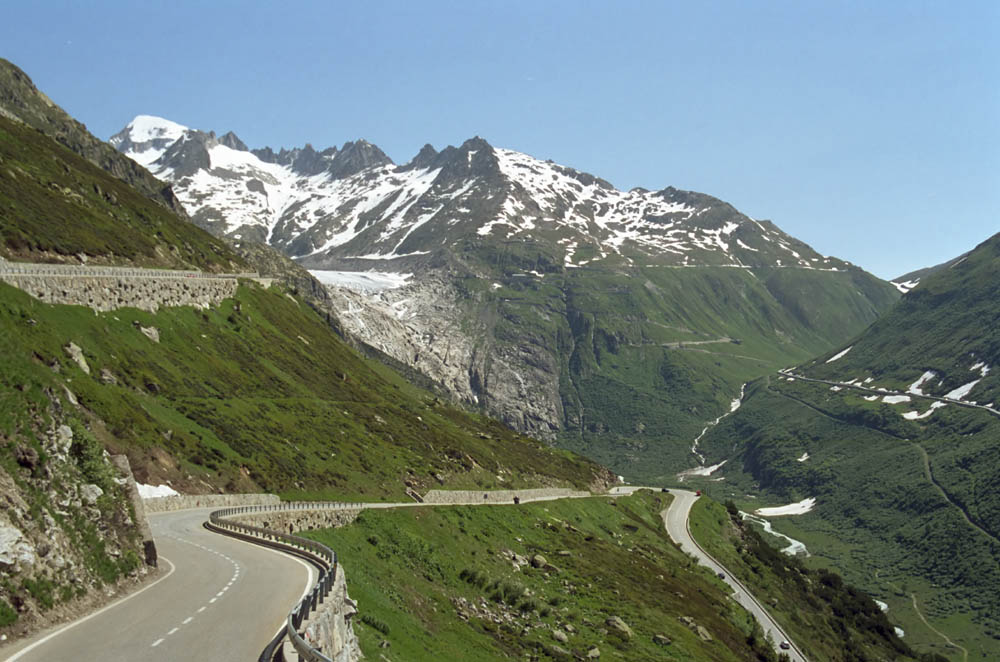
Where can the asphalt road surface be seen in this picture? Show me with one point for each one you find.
(217, 599)
(222, 599)
(675, 518)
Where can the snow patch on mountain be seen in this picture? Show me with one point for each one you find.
(145, 128)
(797, 508)
(962, 391)
(916, 388)
(915, 415)
(839, 355)
(362, 281)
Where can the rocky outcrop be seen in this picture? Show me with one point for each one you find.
(433, 328)
(69, 535)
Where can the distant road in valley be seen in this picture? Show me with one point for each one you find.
(675, 518)
(950, 401)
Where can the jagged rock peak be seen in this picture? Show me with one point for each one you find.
(232, 141)
(423, 159)
(356, 156)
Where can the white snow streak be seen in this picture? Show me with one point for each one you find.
(839, 355)
(797, 508)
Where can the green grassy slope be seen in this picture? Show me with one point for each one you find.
(828, 619)
(647, 356)
(946, 324)
(441, 584)
(260, 394)
(904, 507)
(19, 97)
(55, 205)
(908, 509)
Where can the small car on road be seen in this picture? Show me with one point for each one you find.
(784, 645)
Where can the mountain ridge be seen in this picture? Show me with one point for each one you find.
(355, 206)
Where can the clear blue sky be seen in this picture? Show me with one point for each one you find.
(870, 130)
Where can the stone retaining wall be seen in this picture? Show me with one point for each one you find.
(291, 521)
(185, 501)
(330, 628)
(109, 288)
(460, 497)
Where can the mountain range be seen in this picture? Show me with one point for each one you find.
(616, 323)
(644, 328)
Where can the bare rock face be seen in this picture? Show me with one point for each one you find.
(15, 549)
(616, 623)
(429, 326)
(90, 493)
(75, 353)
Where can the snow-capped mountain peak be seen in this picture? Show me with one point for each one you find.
(353, 208)
(146, 137)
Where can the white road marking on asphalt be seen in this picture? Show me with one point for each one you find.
(172, 631)
(157, 643)
(200, 610)
(212, 600)
(41, 641)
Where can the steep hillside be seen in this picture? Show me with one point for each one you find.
(898, 445)
(21, 101)
(616, 323)
(553, 581)
(56, 206)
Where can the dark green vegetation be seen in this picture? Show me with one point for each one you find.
(646, 357)
(828, 619)
(441, 584)
(56, 205)
(260, 394)
(907, 509)
(901, 507)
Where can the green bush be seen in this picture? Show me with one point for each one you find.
(7, 614)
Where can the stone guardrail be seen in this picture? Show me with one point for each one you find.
(319, 554)
(467, 497)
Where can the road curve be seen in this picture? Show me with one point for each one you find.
(675, 518)
(224, 599)
(220, 599)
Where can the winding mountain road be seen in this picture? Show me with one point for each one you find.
(223, 599)
(675, 519)
(218, 599)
